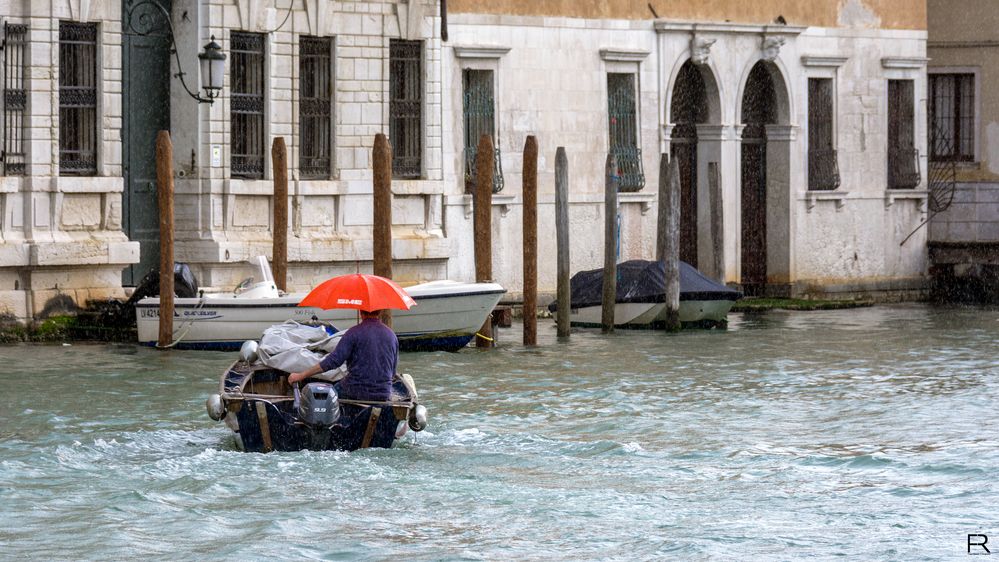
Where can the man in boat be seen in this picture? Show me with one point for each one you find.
(371, 351)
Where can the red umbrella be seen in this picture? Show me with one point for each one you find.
(360, 291)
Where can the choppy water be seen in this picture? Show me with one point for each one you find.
(869, 433)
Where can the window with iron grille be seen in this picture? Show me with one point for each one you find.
(77, 98)
(406, 107)
(246, 105)
(479, 109)
(952, 117)
(15, 98)
(315, 118)
(903, 158)
(623, 128)
(823, 168)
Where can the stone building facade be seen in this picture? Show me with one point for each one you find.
(803, 106)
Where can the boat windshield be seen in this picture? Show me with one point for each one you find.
(261, 269)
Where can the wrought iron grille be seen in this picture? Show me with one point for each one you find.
(903, 158)
(77, 98)
(315, 107)
(14, 98)
(952, 116)
(479, 113)
(903, 168)
(823, 170)
(623, 127)
(246, 106)
(406, 107)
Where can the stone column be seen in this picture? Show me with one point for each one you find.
(780, 243)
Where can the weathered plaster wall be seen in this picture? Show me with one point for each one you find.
(885, 14)
(551, 82)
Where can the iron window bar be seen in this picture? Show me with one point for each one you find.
(315, 107)
(15, 98)
(623, 129)
(246, 105)
(77, 98)
(823, 170)
(629, 168)
(406, 107)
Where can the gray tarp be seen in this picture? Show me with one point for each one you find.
(293, 347)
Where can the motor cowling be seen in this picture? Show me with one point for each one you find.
(320, 405)
(418, 418)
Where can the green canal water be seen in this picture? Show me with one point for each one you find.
(869, 433)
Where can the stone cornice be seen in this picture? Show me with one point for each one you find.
(623, 55)
(715, 27)
(822, 61)
(479, 51)
(904, 62)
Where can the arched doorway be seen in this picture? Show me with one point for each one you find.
(688, 108)
(759, 109)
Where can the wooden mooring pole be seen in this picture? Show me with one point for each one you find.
(562, 241)
(672, 247)
(611, 181)
(530, 188)
(381, 159)
(663, 206)
(482, 224)
(279, 160)
(164, 192)
(717, 236)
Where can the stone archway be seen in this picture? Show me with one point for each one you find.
(688, 108)
(764, 183)
(695, 140)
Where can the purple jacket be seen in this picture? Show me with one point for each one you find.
(371, 351)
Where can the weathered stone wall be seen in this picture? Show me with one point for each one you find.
(60, 236)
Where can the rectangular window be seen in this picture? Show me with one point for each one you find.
(15, 98)
(952, 117)
(903, 158)
(247, 105)
(479, 110)
(77, 98)
(315, 106)
(623, 128)
(406, 107)
(823, 168)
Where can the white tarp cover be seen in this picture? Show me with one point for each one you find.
(293, 347)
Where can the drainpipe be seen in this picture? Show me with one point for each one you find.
(444, 21)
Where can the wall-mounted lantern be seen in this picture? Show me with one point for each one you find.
(143, 19)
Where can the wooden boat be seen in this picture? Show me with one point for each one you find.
(446, 317)
(641, 297)
(265, 414)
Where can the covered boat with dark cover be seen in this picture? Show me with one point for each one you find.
(644, 282)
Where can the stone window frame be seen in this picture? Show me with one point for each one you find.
(626, 61)
(822, 67)
(977, 108)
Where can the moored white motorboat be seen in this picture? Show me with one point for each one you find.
(447, 315)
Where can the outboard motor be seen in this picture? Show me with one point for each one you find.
(319, 405)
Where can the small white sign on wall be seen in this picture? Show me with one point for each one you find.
(216, 155)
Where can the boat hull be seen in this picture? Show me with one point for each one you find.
(262, 416)
(651, 315)
(446, 317)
